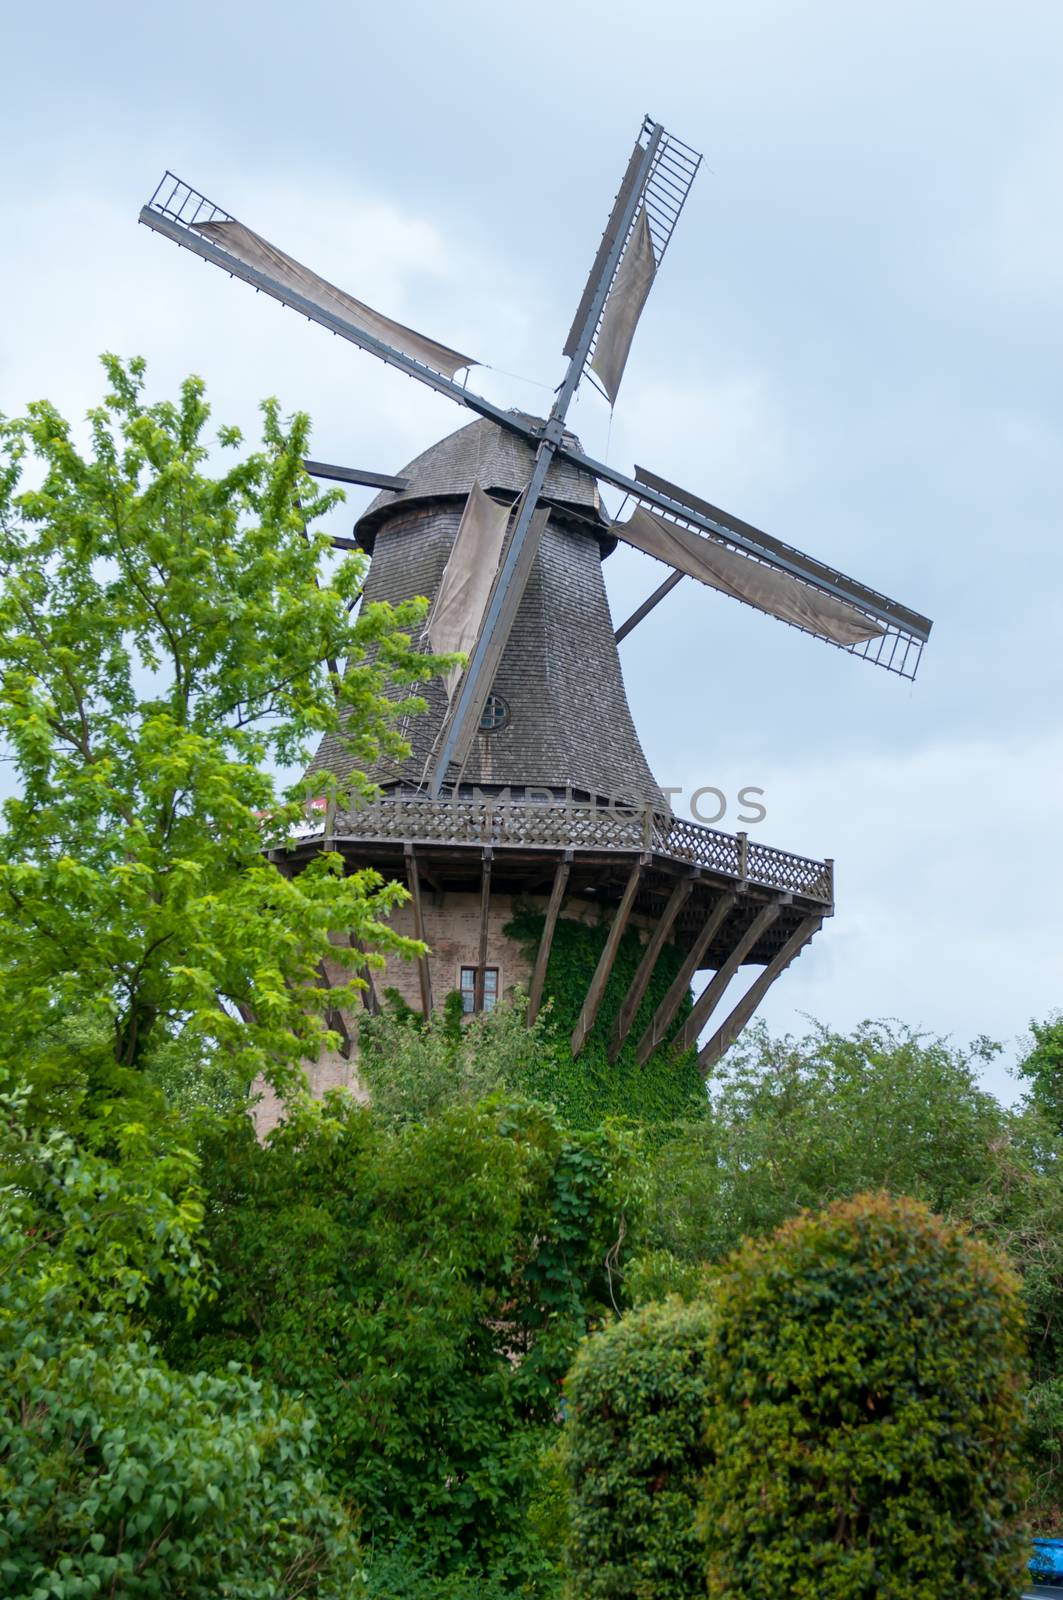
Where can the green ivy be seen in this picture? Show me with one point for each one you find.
(590, 1088)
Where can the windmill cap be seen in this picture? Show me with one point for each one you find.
(485, 453)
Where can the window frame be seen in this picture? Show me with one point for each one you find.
(468, 994)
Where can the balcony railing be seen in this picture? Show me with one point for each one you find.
(525, 824)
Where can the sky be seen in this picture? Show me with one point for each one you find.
(854, 342)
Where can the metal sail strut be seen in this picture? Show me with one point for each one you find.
(176, 210)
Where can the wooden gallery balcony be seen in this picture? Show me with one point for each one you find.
(725, 899)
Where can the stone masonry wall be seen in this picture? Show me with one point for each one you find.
(452, 932)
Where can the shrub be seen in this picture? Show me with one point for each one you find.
(416, 1069)
(424, 1289)
(864, 1432)
(118, 1475)
(634, 1453)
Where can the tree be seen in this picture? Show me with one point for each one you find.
(118, 1474)
(801, 1122)
(166, 635)
(1042, 1067)
(423, 1288)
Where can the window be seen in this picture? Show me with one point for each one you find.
(468, 989)
(495, 714)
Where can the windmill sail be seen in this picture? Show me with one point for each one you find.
(461, 600)
(187, 217)
(623, 308)
(254, 251)
(645, 212)
(753, 581)
(896, 646)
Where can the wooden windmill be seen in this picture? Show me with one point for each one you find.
(502, 526)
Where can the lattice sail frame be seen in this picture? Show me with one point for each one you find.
(897, 649)
(673, 168)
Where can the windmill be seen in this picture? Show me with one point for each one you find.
(507, 489)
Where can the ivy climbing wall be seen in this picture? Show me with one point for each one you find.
(590, 1088)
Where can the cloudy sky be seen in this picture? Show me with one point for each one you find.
(855, 342)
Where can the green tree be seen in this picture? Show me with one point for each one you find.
(119, 1475)
(798, 1123)
(165, 636)
(1042, 1067)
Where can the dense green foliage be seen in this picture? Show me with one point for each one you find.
(1043, 1069)
(164, 636)
(591, 1088)
(415, 1069)
(798, 1123)
(118, 1475)
(424, 1289)
(637, 1397)
(865, 1420)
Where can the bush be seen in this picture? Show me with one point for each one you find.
(634, 1453)
(424, 1288)
(119, 1476)
(416, 1069)
(865, 1426)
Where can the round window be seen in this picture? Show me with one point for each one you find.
(495, 714)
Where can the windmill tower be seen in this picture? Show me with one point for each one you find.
(527, 779)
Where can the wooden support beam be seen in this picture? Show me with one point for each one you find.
(423, 971)
(334, 1017)
(557, 895)
(589, 1011)
(711, 996)
(728, 1032)
(647, 606)
(481, 954)
(370, 999)
(372, 480)
(663, 1017)
(633, 999)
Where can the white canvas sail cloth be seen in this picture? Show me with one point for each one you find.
(745, 579)
(623, 307)
(256, 252)
(461, 600)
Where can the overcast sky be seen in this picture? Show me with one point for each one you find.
(855, 342)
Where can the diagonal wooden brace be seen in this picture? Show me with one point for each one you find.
(711, 996)
(728, 1031)
(664, 1016)
(585, 1021)
(557, 895)
(633, 999)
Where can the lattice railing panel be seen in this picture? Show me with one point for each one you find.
(585, 827)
